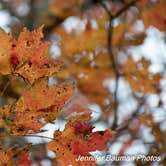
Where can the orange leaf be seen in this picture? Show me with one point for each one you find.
(155, 15)
(139, 77)
(66, 8)
(95, 141)
(24, 160)
(40, 101)
(27, 56)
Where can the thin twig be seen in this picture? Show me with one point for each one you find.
(124, 126)
(106, 8)
(29, 21)
(4, 89)
(7, 6)
(40, 136)
(115, 68)
(125, 8)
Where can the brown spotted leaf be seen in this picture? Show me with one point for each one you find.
(78, 139)
(40, 101)
(27, 56)
(6, 158)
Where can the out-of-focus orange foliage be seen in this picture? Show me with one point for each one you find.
(139, 77)
(155, 15)
(5, 66)
(152, 13)
(92, 54)
(86, 57)
(77, 42)
(93, 79)
(66, 8)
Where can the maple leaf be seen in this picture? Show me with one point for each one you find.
(93, 39)
(78, 139)
(27, 56)
(6, 158)
(95, 141)
(40, 101)
(24, 160)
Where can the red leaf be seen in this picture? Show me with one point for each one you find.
(24, 160)
(14, 60)
(96, 141)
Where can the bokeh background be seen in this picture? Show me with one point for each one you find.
(78, 32)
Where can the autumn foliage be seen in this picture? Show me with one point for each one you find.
(38, 88)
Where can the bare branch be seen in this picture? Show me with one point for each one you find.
(110, 51)
(115, 68)
(125, 8)
(106, 9)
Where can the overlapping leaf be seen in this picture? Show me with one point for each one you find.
(6, 158)
(40, 101)
(78, 139)
(24, 160)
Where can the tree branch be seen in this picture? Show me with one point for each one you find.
(29, 20)
(106, 8)
(110, 52)
(115, 69)
(4, 88)
(125, 8)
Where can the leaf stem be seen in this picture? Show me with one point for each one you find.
(4, 89)
(40, 136)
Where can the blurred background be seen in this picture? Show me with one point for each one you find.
(118, 65)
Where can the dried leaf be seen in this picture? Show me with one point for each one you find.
(40, 101)
(27, 56)
(78, 139)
